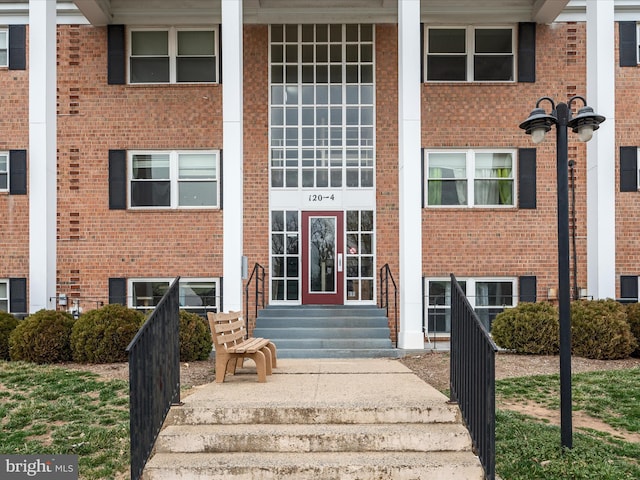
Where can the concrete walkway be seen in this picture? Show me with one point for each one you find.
(322, 382)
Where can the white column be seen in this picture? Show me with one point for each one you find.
(42, 154)
(601, 225)
(410, 335)
(232, 138)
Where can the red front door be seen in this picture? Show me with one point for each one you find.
(322, 258)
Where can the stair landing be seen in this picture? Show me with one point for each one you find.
(316, 419)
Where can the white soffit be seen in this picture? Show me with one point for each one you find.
(190, 12)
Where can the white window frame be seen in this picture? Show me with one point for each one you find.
(174, 180)
(172, 53)
(5, 155)
(183, 280)
(470, 287)
(5, 300)
(470, 178)
(4, 32)
(470, 52)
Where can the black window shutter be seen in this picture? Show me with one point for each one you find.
(220, 54)
(117, 179)
(628, 169)
(528, 289)
(629, 287)
(18, 295)
(17, 47)
(527, 52)
(527, 178)
(118, 290)
(422, 52)
(116, 55)
(18, 172)
(628, 44)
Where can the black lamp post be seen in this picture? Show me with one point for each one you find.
(584, 124)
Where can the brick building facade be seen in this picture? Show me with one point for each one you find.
(320, 141)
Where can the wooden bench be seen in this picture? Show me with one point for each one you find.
(232, 346)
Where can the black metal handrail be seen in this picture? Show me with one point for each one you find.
(385, 276)
(154, 376)
(472, 377)
(258, 275)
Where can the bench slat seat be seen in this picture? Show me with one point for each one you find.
(232, 346)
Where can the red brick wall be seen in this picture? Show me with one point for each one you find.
(95, 243)
(627, 203)
(387, 223)
(14, 209)
(505, 242)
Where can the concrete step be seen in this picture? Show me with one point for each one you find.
(338, 352)
(209, 414)
(315, 466)
(300, 311)
(319, 332)
(318, 321)
(339, 343)
(398, 437)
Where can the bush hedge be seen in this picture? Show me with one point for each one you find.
(102, 335)
(195, 337)
(7, 324)
(633, 317)
(528, 328)
(42, 338)
(600, 330)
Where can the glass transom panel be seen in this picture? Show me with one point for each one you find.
(322, 106)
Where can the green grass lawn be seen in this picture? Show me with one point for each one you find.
(48, 409)
(530, 448)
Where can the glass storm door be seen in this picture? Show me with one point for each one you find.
(322, 258)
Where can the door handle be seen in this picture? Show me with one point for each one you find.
(339, 262)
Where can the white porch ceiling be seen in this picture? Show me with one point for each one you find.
(149, 12)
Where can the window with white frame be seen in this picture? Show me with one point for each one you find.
(285, 255)
(322, 100)
(359, 255)
(173, 179)
(4, 296)
(487, 296)
(471, 178)
(173, 55)
(195, 294)
(4, 171)
(470, 54)
(4, 47)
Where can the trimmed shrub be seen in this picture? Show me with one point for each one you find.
(195, 337)
(633, 317)
(528, 328)
(600, 330)
(42, 338)
(7, 324)
(102, 335)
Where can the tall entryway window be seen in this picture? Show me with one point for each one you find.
(322, 163)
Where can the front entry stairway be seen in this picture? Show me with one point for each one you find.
(316, 419)
(326, 331)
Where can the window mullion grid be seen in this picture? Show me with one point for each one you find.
(470, 46)
(174, 180)
(173, 54)
(471, 178)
